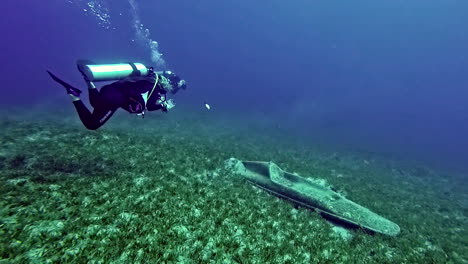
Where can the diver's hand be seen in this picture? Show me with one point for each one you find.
(169, 104)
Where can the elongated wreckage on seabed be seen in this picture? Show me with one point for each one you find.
(311, 194)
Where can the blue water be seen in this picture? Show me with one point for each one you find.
(384, 76)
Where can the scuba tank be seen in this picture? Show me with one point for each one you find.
(109, 72)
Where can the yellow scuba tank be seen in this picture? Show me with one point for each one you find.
(109, 72)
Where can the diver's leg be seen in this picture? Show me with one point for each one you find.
(97, 118)
(108, 100)
(102, 112)
(93, 92)
(101, 115)
(85, 115)
(94, 96)
(83, 112)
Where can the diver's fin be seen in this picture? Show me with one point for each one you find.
(70, 89)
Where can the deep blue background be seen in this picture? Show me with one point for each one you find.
(388, 76)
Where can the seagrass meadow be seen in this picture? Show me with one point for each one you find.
(156, 191)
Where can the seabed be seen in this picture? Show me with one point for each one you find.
(155, 191)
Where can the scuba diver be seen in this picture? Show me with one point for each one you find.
(137, 90)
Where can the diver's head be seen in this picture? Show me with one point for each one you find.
(171, 82)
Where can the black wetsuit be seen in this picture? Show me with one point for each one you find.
(126, 94)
